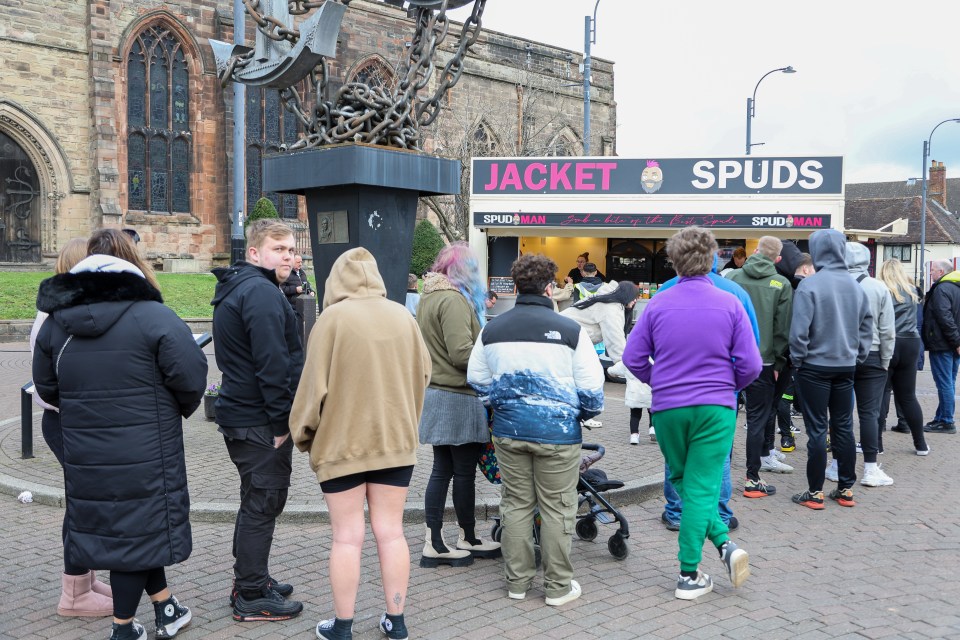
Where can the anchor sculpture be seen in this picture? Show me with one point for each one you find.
(362, 194)
(284, 55)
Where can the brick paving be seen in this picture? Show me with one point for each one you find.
(884, 569)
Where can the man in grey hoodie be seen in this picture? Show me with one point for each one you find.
(830, 334)
(871, 376)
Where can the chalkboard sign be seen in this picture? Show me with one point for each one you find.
(502, 284)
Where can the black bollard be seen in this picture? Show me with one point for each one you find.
(26, 420)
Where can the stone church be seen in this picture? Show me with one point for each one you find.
(111, 114)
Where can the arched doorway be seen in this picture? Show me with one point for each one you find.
(19, 204)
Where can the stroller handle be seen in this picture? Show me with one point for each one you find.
(593, 447)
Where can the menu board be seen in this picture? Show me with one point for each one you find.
(502, 285)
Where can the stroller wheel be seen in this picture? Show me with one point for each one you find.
(617, 546)
(586, 529)
(496, 531)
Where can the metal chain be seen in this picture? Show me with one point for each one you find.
(372, 114)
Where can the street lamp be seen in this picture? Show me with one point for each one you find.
(923, 201)
(752, 102)
(589, 36)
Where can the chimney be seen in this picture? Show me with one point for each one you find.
(937, 183)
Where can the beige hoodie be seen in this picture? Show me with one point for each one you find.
(361, 393)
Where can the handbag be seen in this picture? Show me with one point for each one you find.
(487, 462)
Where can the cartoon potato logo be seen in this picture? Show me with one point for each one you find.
(516, 218)
(652, 177)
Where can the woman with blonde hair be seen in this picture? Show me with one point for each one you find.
(902, 372)
(81, 593)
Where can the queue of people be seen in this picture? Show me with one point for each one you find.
(377, 379)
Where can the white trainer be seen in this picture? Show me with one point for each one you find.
(831, 473)
(574, 593)
(634, 438)
(779, 455)
(653, 434)
(772, 465)
(876, 477)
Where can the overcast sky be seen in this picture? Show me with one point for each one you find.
(873, 78)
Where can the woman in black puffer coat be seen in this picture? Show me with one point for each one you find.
(124, 370)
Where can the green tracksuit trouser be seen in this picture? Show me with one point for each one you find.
(695, 441)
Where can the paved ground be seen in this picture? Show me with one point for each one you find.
(883, 569)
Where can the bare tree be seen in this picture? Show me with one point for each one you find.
(527, 119)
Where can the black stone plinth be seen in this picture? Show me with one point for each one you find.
(362, 195)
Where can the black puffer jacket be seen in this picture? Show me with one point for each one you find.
(124, 370)
(941, 314)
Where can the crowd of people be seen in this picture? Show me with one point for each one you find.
(377, 379)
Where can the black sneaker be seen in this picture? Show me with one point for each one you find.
(691, 589)
(393, 627)
(940, 427)
(171, 616)
(335, 629)
(788, 444)
(282, 588)
(734, 524)
(133, 630)
(270, 606)
(900, 428)
(671, 525)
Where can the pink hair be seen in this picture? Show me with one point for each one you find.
(460, 265)
(653, 164)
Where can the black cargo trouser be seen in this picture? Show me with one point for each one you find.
(264, 482)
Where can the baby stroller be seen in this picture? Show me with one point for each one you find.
(590, 487)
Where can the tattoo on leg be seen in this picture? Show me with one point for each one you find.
(397, 599)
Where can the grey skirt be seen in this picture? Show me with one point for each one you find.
(451, 418)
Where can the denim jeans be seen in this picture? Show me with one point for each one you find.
(944, 366)
(674, 506)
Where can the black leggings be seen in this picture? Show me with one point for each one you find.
(635, 415)
(128, 586)
(902, 379)
(460, 463)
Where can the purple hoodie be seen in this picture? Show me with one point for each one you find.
(702, 342)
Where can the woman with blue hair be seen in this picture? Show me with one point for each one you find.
(454, 422)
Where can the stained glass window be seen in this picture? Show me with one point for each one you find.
(269, 125)
(158, 123)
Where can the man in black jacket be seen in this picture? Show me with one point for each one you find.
(260, 356)
(941, 337)
(297, 284)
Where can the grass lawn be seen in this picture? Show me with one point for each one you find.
(187, 294)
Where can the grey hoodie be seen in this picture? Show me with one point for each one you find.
(832, 326)
(857, 258)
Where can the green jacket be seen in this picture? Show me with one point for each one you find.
(772, 298)
(450, 327)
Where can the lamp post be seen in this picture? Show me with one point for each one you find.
(589, 37)
(923, 201)
(237, 244)
(752, 103)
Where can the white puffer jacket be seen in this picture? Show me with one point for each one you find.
(603, 321)
(639, 395)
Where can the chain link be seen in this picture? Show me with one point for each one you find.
(360, 112)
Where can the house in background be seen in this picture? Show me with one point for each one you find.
(872, 205)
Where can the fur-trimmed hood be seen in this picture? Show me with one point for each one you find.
(90, 302)
(438, 282)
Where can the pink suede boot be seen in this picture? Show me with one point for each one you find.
(78, 598)
(100, 587)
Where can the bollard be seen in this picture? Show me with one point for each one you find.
(307, 314)
(26, 420)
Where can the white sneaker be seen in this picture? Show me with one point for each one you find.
(924, 452)
(875, 477)
(575, 592)
(634, 438)
(831, 472)
(772, 465)
(779, 455)
(653, 435)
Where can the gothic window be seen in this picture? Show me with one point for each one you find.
(562, 145)
(374, 73)
(158, 137)
(269, 125)
(483, 142)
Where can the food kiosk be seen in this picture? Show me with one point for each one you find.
(622, 210)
